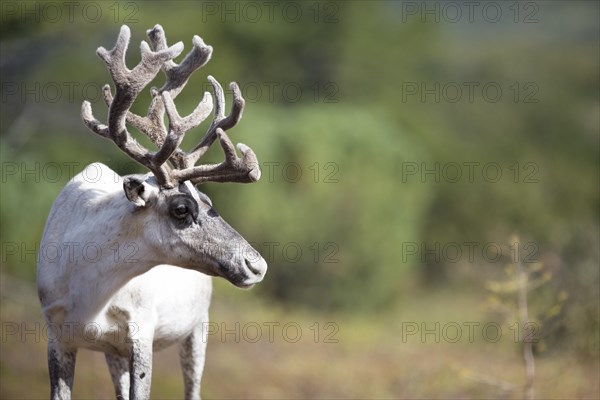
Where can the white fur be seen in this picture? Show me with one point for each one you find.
(109, 290)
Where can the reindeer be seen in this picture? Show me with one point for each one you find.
(157, 240)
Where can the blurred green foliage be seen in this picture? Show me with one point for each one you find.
(351, 132)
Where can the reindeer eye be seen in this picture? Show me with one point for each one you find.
(181, 211)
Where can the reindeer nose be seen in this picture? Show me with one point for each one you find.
(257, 265)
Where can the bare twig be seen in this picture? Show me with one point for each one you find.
(522, 280)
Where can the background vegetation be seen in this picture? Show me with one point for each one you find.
(343, 100)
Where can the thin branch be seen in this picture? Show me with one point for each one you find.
(528, 357)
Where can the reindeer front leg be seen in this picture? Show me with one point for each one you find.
(191, 355)
(140, 369)
(61, 365)
(119, 372)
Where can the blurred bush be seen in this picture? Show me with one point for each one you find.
(331, 202)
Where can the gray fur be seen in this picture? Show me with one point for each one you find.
(118, 366)
(61, 364)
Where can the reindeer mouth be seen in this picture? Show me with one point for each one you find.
(240, 280)
(247, 276)
(245, 286)
(237, 276)
(242, 270)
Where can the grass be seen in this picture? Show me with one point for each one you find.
(344, 356)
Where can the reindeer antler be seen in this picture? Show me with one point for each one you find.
(129, 84)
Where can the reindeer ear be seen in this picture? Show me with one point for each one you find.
(138, 191)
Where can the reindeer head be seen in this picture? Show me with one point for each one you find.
(176, 218)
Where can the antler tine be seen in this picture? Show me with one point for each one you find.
(135, 80)
(219, 120)
(152, 125)
(178, 74)
(129, 83)
(92, 123)
(138, 122)
(177, 77)
(178, 125)
(181, 125)
(233, 169)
